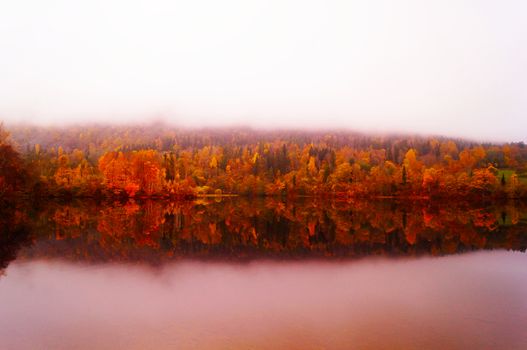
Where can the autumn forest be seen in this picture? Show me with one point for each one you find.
(159, 161)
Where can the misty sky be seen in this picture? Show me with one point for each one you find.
(445, 67)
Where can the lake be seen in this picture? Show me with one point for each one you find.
(238, 273)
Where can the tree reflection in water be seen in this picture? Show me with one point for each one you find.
(14, 233)
(242, 228)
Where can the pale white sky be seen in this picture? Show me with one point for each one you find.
(450, 67)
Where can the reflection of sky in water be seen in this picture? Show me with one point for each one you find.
(473, 301)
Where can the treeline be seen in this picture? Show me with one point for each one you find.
(159, 161)
(13, 171)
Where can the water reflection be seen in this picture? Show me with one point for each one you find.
(470, 301)
(238, 228)
(263, 274)
(14, 233)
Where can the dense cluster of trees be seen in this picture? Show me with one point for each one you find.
(13, 175)
(160, 161)
(250, 228)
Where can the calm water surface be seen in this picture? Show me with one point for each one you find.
(242, 274)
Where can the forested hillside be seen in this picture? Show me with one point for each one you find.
(161, 161)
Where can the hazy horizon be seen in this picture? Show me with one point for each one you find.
(454, 68)
(240, 127)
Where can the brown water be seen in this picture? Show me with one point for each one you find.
(264, 275)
